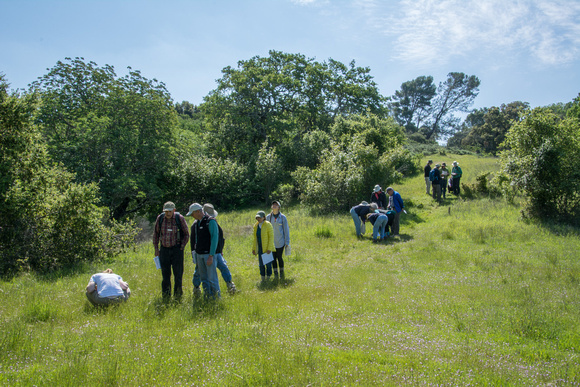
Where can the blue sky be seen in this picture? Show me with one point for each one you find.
(520, 50)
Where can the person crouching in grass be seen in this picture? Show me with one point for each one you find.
(107, 288)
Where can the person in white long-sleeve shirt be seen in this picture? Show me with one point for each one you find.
(281, 237)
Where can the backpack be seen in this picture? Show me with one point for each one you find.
(432, 175)
(177, 221)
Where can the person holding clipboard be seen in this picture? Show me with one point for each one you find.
(264, 244)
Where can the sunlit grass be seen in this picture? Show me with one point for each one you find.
(469, 294)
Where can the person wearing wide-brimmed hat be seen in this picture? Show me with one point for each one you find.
(456, 173)
(359, 215)
(263, 243)
(379, 197)
(172, 233)
(281, 237)
(221, 263)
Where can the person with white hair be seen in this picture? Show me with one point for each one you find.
(456, 173)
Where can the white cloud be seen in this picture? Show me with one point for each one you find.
(437, 31)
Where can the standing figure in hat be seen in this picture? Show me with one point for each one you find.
(263, 243)
(281, 236)
(456, 173)
(379, 197)
(172, 232)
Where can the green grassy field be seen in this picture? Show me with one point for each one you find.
(469, 294)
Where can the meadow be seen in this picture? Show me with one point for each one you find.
(469, 294)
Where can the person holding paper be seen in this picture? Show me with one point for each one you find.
(264, 244)
(281, 237)
(172, 233)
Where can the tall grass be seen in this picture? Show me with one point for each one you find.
(469, 294)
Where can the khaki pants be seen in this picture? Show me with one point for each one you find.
(427, 185)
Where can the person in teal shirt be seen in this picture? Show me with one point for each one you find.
(456, 173)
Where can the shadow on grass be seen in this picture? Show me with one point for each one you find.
(274, 284)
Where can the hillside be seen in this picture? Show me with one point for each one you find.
(469, 294)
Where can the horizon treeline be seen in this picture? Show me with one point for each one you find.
(86, 144)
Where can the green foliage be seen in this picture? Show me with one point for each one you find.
(268, 170)
(542, 162)
(366, 151)
(488, 132)
(115, 132)
(46, 220)
(411, 105)
(282, 97)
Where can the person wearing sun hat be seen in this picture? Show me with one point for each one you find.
(206, 245)
(263, 243)
(379, 197)
(221, 263)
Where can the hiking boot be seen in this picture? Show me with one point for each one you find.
(275, 273)
(231, 287)
(196, 291)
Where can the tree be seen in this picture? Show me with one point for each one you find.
(412, 103)
(46, 220)
(282, 97)
(116, 132)
(456, 94)
(489, 134)
(541, 159)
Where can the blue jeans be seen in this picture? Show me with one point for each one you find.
(222, 266)
(379, 227)
(208, 275)
(356, 220)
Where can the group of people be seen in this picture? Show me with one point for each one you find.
(440, 180)
(382, 211)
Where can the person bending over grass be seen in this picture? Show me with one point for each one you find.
(107, 288)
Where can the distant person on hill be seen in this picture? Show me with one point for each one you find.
(398, 206)
(456, 173)
(435, 177)
(263, 243)
(427, 170)
(379, 197)
(172, 232)
(359, 214)
(221, 263)
(444, 176)
(107, 288)
(379, 222)
(281, 237)
(206, 245)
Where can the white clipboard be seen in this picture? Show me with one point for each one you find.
(267, 258)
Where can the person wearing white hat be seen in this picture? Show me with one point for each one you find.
(172, 233)
(379, 197)
(205, 246)
(221, 264)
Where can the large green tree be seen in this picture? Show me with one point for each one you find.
(497, 121)
(454, 95)
(541, 160)
(46, 220)
(411, 105)
(281, 98)
(117, 132)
